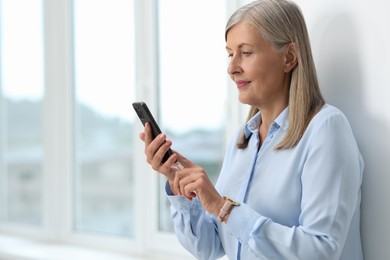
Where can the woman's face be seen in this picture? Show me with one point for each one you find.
(256, 68)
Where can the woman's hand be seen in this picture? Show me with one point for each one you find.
(193, 181)
(189, 182)
(155, 150)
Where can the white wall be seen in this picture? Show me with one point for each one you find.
(350, 42)
(351, 46)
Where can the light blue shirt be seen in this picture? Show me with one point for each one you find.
(300, 203)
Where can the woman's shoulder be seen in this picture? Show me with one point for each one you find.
(327, 112)
(329, 116)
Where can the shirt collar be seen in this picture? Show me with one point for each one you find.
(253, 124)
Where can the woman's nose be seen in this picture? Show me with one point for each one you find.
(234, 66)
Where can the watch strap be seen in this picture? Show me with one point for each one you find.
(226, 208)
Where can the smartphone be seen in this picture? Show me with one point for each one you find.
(145, 115)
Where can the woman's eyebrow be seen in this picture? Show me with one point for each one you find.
(240, 46)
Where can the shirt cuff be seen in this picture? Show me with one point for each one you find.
(242, 221)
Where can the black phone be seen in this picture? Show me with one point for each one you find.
(145, 115)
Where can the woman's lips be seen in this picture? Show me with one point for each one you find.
(242, 83)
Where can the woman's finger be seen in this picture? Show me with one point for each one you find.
(142, 136)
(187, 183)
(189, 190)
(176, 183)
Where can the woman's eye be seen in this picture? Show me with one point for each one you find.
(230, 55)
(247, 53)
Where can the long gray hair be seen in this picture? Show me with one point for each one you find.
(281, 22)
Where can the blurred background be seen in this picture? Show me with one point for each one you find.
(72, 169)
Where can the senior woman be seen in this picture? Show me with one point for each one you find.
(289, 187)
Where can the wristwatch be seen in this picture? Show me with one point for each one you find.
(226, 208)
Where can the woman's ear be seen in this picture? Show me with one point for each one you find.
(290, 57)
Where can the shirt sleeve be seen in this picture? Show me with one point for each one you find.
(331, 180)
(195, 228)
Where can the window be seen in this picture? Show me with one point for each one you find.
(192, 84)
(71, 166)
(104, 86)
(21, 133)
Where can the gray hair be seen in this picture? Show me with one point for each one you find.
(281, 22)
